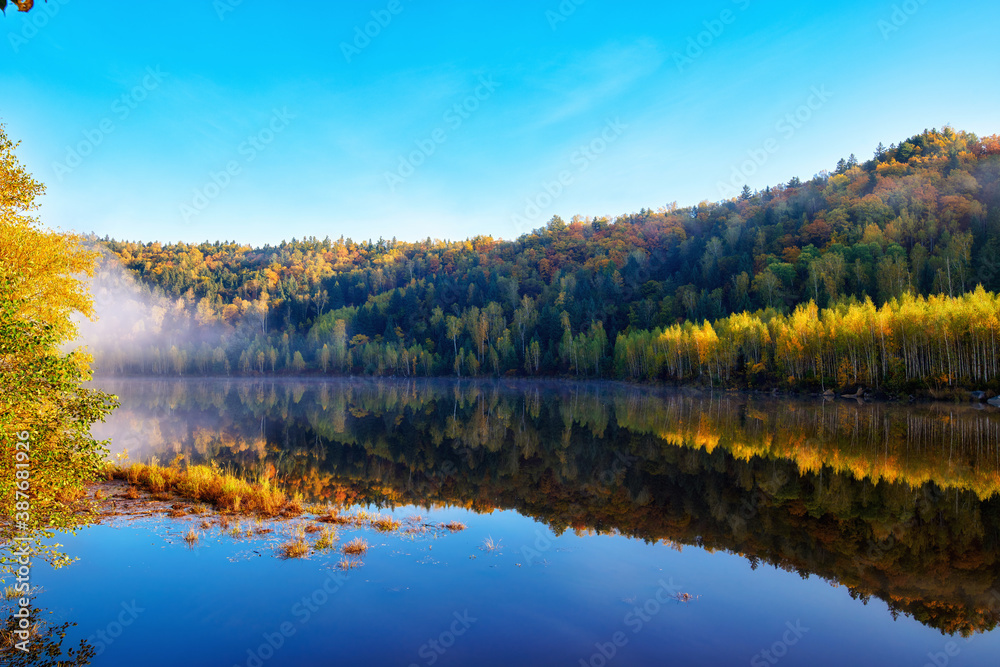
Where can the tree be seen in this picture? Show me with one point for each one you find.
(22, 5)
(339, 342)
(45, 413)
(453, 326)
(525, 318)
(767, 286)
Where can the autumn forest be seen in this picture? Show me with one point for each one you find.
(881, 273)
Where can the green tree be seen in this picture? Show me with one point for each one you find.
(48, 454)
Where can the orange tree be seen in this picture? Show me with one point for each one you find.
(22, 5)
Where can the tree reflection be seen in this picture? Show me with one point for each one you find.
(893, 502)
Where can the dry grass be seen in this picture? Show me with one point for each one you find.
(294, 549)
(192, 537)
(223, 491)
(132, 493)
(293, 507)
(326, 539)
(386, 524)
(490, 545)
(356, 547)
(334, 516)
(155, 482)
(349, 564)
(71, 495)
(454, 526)
(361, 519)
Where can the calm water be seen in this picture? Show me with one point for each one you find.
(810, 532)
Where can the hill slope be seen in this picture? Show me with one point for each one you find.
(921, 218)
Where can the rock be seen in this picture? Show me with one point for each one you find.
(977, 396)
(860, 393)
(829, 392)
(995, 401)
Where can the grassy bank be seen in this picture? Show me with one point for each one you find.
(223, 491)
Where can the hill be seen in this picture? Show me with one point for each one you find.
(916, 227)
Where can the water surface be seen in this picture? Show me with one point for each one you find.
(808, 532)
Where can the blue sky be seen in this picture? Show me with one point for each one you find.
(253, 121)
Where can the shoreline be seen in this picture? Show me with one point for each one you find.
(953, 395)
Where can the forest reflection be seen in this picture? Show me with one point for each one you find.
(897, 502)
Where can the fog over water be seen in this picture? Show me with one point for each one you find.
(135, 323)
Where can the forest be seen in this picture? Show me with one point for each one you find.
(881, 274)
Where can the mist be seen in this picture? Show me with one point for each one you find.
(136, 330)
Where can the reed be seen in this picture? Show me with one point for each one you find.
(294, 549)
(356, 547)
(208, 484)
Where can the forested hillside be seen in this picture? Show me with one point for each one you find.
(855, 276)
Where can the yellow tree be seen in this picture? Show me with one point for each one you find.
(47, 451)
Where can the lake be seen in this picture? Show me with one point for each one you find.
(605, 525)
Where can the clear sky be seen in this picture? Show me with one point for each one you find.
(455, 119)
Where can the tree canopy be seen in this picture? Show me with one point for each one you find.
(45, 414)
(921, 218)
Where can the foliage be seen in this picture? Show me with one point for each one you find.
(921, 218)
(22, 5)
(43, 400)
(908, 342)
(45, 647)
